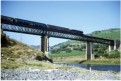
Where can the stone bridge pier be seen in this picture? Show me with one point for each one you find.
(45, 44)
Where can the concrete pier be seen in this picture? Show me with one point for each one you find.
(44, 44)
(89, 51)
(116, 44)
(111, 47)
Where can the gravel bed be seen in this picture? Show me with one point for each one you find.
(57, 74)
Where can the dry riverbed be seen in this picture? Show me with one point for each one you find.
(73, 73)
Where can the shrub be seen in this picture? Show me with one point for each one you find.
(100, 53)
(55, 51)
(114, 54)
(68, 50)
(97, 54)
(79, 49)
(83, 46)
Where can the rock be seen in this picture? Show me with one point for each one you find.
(70, 74)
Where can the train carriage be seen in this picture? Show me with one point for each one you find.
(30, 24)
(76, 32)
(57, 29)
(6, 20)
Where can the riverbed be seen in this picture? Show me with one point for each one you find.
(73, 73)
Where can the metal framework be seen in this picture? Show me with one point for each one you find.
(35, 28)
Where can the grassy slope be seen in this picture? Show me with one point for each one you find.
(108, 34)
(15, 54)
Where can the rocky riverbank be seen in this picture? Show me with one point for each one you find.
(57, 74)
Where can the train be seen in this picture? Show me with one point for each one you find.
(57, 29)
(63, 30)
(30, 24)
(76, 32)
(21, 22)
(7, 20)
(41, 26)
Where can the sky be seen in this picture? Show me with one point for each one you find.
(86, 16)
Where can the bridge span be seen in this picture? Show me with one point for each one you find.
(46, 31)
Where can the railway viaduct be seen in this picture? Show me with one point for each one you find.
(46, 31)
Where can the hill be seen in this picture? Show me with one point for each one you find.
(113, 33)
(74, 51)
(15, 54)
(37, 47)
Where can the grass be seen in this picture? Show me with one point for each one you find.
(12, 64)
(79, 56)
(65, 54)
(110, 34)
(106, 61)
(15, 54)
(20, 51)
(69, 59)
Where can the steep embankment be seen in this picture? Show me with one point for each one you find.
(15, 54)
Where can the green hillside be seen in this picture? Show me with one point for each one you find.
(108, 34)
(113, 33)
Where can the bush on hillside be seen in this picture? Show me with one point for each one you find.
(55, 51)
(114, 54)
(83, 46)
(79, 49)
(68, 50)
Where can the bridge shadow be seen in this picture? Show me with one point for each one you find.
(82, 61)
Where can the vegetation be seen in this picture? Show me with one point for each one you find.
(68, 54)
(15, 54)
(108, 34)
(113, 33)
(77, 49)
(20, 63)
(114, 54)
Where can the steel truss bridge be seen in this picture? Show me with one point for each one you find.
(41, 29)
